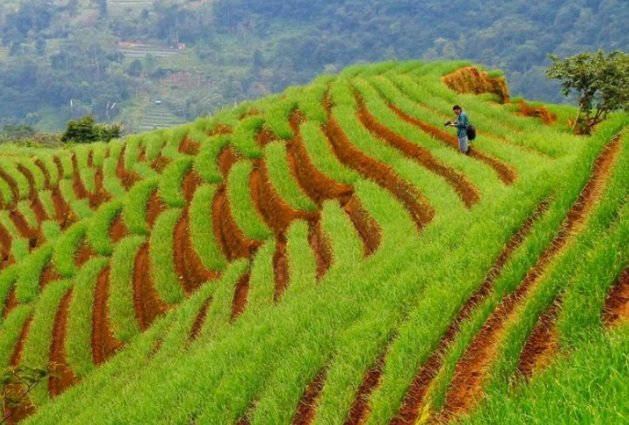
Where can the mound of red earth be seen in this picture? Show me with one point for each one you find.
(472, 80)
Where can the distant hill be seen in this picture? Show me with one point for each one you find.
(61, 59)
(325, 255)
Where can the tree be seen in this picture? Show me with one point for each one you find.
(85, 130)
(600, 81)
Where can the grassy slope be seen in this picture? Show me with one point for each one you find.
(394, 303)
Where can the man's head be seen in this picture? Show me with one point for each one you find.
(457, 109)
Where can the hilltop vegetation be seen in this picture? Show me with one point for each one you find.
(115, 58)
(324, 256)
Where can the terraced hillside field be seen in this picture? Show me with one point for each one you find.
(324, 256)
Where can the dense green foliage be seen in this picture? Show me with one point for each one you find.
(601, 83)
(122, 60)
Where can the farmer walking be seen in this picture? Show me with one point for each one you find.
(461, 125)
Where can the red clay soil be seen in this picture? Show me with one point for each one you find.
(83, 254)
(59, 165)
(190, 184)
(12, 184)
(472, 80)
(366, 226)
(61, 375)
(199, 320)
(280, 268)
(100, 195)
(40, 164)
(77, 184)
(265, 136)
(240, 297)
(29, 177)
(49, 274)
(226, 159)
(275, 212)
(541, 344)
(540, 112)
(504, 172)
(5, 240)
(616, 307)
(321, 248)
(314, 183)
(142, 155)
(148, 305)
(188, 265)
(38, 209)
(10, 303)
(154, 208)
(466, 386)
(411, 406)
(104, 345)
(421, 212)
(22, 226)
(16, 356)
(232, 240)
(127, 177)
(63, 214)
(189, 146)
(307, 405)
(118, 229)
(160, 163)
(90, 159)
(360, 407)
(466, 190)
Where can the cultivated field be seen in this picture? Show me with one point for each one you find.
(324, 256)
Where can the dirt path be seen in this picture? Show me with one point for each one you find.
(504, 171)
(199, 320)
(415, 398)
(366, 226)
(154, 208)
(232, 240)
(16, 356)
(321, 248)
(466, 387)
(461, 185)
(616, 307)
(104, 345)
(280, 268)
(188, 265)
(241, 293)
(61, 376)
(32, 190)
(40, 164)
(118, 229)
(360, 407)
(189, 146)
(541, 345)
(77, 184)
(306, 409)
(148, 305)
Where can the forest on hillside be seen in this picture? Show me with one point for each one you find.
(156, 63)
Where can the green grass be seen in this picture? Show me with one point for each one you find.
(167, 282)
(241, 202)
(394, 304)
(202, 230)
(123, 321)
(283, 180)
(79, 322)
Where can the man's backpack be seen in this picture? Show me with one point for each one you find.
(471, 132)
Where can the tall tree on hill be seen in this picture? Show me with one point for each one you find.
(600, 81)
